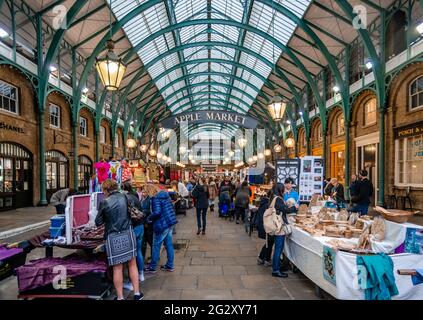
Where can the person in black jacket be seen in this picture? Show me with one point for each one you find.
(242, 200)
(201, 195)
(364, 193)
(148, 229)
(281, 209)
(354, 186)
(113, 213)
(337, 192)
(265, 256)
(138, 225)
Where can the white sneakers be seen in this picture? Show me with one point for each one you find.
(128, 285)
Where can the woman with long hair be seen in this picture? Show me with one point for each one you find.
(120, 238)
(201, 195)
(281, 209)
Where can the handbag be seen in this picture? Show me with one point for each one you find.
(135, 214)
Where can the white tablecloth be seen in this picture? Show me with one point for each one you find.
(306, 252)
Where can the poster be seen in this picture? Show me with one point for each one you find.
(288, 168)
(311, 177)
(329, 265)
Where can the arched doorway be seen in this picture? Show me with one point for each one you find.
(85, 170)
(15, 176)
(57, 169)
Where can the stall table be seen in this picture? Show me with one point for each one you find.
(306, 253)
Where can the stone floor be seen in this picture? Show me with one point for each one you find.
(219, 265)
(23, 217)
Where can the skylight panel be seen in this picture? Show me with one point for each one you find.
(185, 9)
(232, 9)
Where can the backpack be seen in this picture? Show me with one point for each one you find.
(242, 198)
(272, 222)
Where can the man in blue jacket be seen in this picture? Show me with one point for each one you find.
(163, 219)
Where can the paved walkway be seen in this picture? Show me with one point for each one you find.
(221, 265)
(23, 217)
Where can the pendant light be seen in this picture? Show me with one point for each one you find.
(110, 67)
(276, 107)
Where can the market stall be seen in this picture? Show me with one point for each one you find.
(329, 252)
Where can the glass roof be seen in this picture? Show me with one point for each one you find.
(187, 83)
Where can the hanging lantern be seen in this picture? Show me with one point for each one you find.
(190, 157)
(152, 152)
(277, 108)
(267, 152)
(277, 148)
(250, 160)
(182, 149)
(289, 143)
(242, 142)
(159, 155)
(231, 153)
(260, 155)
(143, 148)
(110, 68)
(255, 158)
(131, 143)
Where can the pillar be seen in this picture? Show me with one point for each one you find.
(42, 157)
(381, 158)
(75, 126)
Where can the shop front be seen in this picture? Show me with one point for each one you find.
(57, 172)
(85, 170)
(337, 161)
(367, 158)
(16, 174)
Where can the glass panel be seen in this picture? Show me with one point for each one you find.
(1, 175)
(1, 202)
(8, 175)
(63, 172)
(8, 202)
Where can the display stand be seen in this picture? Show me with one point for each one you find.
(311, 178)
(288, 168)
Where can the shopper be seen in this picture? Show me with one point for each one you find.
(354, 186)
(189, 186)
(147, 193)
(138, 225)
(163, 218)
(242, 200)
(120, 238)
(201, 196)
(212, 193)
(58, 199)
(364, 194)
(281, 209)
(328, 188)
(337, 192)
(290, 193)
(265, 256)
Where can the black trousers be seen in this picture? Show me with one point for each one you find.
(240, 212)
(266, 253)
(201, 217)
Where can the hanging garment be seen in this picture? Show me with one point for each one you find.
(102, 171)
(126, 171)
(376, 276)
(115, 172)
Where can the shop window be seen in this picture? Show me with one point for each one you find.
(56, 170)
(409, 161)
(340, 129)
(54, 116)
(102, 134)
(416, 93)
(8, 97)
(370, 112)
(84, 173)
(83, 126)
(396, 35)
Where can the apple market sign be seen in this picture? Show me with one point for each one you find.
(207, 117)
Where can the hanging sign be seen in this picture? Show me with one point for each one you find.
(207, 116)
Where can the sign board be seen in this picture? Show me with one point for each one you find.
(311, 177)
(207, 116)
(409, 130)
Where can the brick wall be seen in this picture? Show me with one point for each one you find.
(399, 115)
